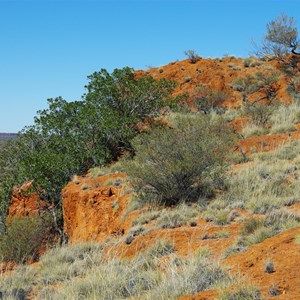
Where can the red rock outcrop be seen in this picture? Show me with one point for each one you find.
(93, 207)
(26, 202)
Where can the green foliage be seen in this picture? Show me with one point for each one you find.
(249, 226)
(22, 238)
(69, 138)
(258, 236)
(219, 217)
(180, 163)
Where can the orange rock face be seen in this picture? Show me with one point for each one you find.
(93, 207)
(26, 202)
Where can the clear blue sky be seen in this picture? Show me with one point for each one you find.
(48, 48)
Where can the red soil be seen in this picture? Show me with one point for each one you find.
(186, 240)
(284, 252)
(217, 74)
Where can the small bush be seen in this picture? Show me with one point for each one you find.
(249, 226)
(260, 108)
(180, 163)
(219, 217)
(255, 64)
(247, 62)
(236, 68)
(22, 238)
(274, 291)
(258, 236)
(192, 56)
(269, 267)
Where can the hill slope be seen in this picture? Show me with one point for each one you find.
(246, 235)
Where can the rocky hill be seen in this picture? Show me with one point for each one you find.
(243, 242)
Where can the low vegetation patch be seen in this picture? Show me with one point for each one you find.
(23, 238)
(270, 183)
(144, 277)
(242, 293)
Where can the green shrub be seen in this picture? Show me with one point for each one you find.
(180, 163)
(22, 238)
(219, 217)
(258, 236)
(249, 226)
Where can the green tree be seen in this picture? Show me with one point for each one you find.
(68, 138)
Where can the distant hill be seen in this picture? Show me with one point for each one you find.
(8, 136)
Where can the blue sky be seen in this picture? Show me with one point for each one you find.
(48, 48)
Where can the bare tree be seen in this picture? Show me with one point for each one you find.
(281, 38)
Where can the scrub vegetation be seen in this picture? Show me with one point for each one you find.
(195, 175)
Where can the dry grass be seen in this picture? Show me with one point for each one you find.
(270, 183)
(83, 272)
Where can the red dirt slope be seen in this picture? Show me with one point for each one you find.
(217, 74)
(284, 252)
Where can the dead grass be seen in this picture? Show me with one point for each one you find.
(83, 272)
